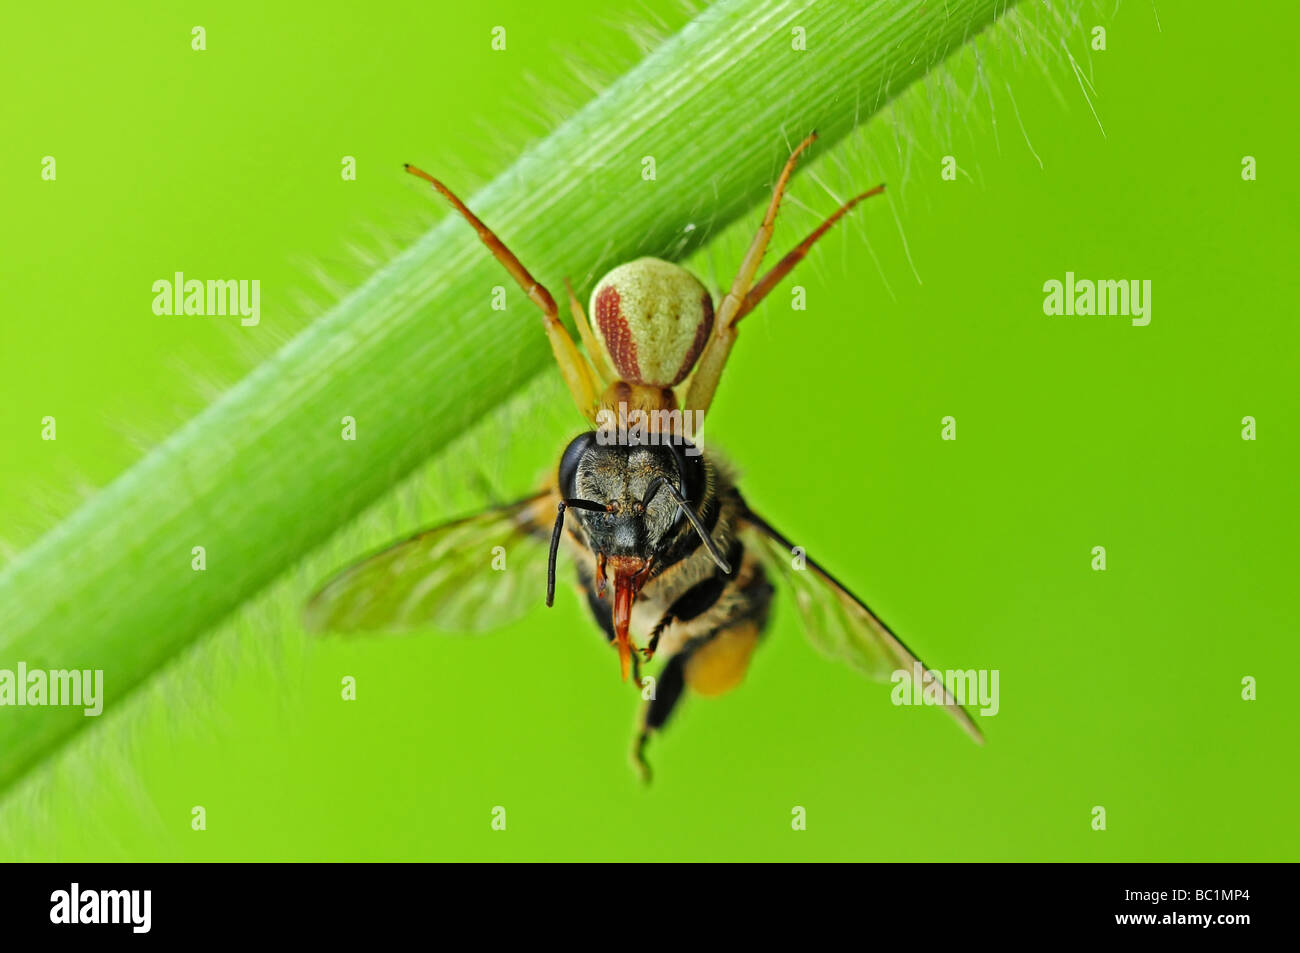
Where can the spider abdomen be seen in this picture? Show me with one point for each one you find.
(653, 318)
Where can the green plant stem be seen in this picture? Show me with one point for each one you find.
(416, 354)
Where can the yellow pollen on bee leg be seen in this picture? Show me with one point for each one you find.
(720, 664)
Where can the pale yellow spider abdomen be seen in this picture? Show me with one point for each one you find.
(653, 319)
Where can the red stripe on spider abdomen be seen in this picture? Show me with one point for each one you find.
(618, 336)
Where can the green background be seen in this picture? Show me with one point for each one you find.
(1119, 688)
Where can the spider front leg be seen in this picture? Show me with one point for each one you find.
(796, 255)
(583, 381)
(744, 294)
(595, 353)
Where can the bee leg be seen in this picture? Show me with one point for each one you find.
(582, 380)
(718, 663)
(666, 693)
(639, 762)
(653, 645)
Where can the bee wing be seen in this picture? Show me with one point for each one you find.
(449, 577)
(838, 622)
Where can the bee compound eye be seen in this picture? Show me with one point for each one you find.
(578, 448)
(691, 476)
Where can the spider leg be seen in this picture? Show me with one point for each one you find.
(704, 381)
(745, 293)
(595, 353)
(581, 378)
(796, 255)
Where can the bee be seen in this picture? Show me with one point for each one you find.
(670, 558)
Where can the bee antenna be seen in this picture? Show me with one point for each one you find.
(555, 548)
(555, 539)
(661, 483)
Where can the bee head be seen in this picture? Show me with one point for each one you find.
(633, 488)
(629, 501)
(653, 319)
